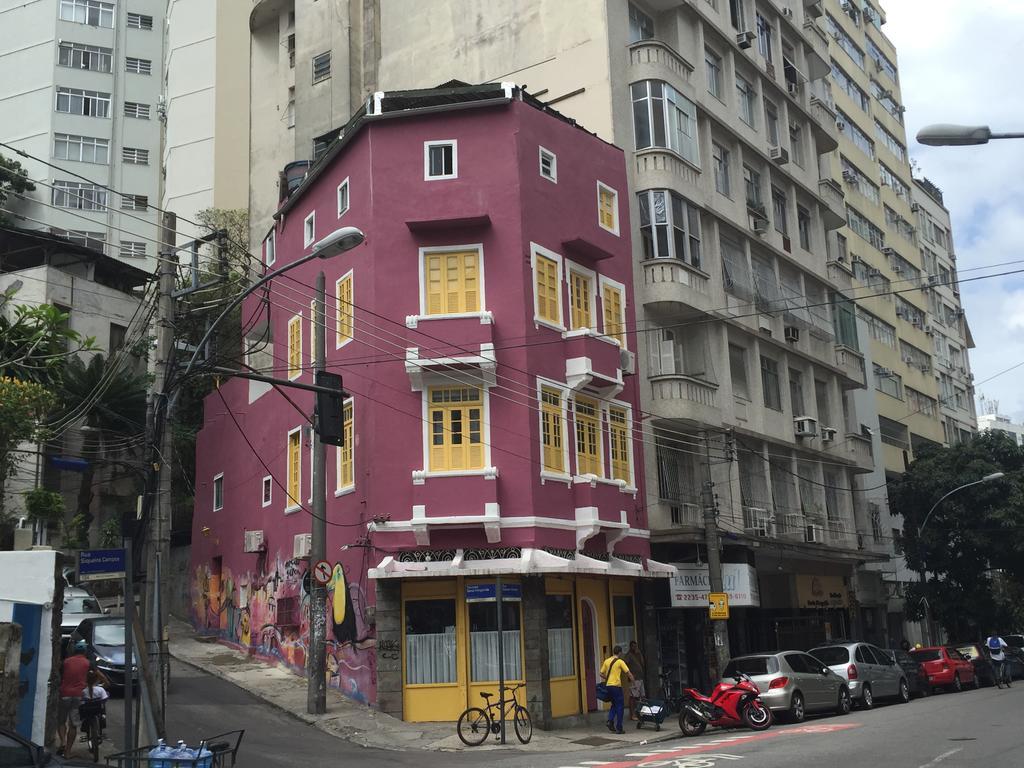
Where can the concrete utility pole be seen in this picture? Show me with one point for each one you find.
(316, 693)
(718, 626)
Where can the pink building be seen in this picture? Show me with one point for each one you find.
(484, 331)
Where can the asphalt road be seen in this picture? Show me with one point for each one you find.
(964, 730)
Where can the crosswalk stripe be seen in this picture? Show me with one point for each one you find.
(595, 762)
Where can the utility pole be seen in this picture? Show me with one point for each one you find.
(718, 626)
(316, 693)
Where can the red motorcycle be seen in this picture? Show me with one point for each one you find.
(729, 705)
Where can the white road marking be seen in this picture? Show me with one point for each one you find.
(595, 762)
(942, 757)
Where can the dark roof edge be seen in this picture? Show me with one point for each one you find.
(134, 275)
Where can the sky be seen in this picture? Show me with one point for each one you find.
(958, 63)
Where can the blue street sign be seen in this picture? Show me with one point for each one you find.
(99, 564)
(481, 593)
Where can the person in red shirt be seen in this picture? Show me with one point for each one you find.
(72, 681)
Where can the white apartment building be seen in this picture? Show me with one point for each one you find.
(995, 422)
(80, 90)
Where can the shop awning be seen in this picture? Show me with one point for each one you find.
(531, 561)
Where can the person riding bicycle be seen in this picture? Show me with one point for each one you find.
(995, 645)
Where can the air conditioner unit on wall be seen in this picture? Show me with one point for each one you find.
(627, 361)
(787, 12)
(779, 155)
(744, 39)
(814, 534)
(805, 426)
(760, 226)
(828, 434)
(849, 175)
(792, 334)
(253, 541)
(302, 545)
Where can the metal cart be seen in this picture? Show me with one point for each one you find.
(223, 746)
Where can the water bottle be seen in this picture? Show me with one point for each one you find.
(204, 757)
(181, 756)
(158, 755)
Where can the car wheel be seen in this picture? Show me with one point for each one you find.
(904, 691)
(957, 686)
(796, 708)
(867, 701)
(845, 705)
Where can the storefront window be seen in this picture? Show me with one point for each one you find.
(624, 628)
(430, 642)
(560, 656)
(483, 641)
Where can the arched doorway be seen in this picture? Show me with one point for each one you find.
(590, 660)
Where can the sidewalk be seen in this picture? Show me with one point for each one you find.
(367, 727)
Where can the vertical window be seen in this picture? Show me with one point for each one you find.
(736, 15)
(290, 109)
(720, 156)
(343, 198)
(608, 208)
(139, 21)
(440, 160)
(483, 641)
(548, 165)
(547, 275)
(218, 492)
(641, 26)
(456, 428)
(669, 227)
(771, 122)
(560, 635)
(346, 311)
(752, 186)
(552, 430)
(623, 619)
(295, 347)
(613, 308)
(268, 490)
(738, 371)
(796, 144)
(745, 99)
(294, 468)
(618, 444)
(780, 211)
(309, 230)
(770, 384)
(430, 642)
(796, 392)
(666, 352)
(290, 45)
(823, 402)
(587, 417)
(662, 117)
(451, 282)
(321, 67)
(764, 38)
(581, 288)
(803, 225)
(713, 64)
(270, 248)
(345, 469)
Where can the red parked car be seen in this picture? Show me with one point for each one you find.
(946, 668)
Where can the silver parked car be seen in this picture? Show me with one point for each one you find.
(871, 672)
(79, 605)
(793, 683)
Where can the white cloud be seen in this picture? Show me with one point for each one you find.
(958, 64)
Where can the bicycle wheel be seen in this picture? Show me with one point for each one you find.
(524, 725)
(473, 727)
(94, 738)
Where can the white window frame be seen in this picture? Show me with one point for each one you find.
(601, 436)
(433, 380)
(535, 250)
(621, 288)
(348, 200)
(351, 275)
(267, 499)
(344, 490)
(270, 248)
(565, 392)
(542, 154)
(309, 230)
(292, 508)
(595, 317)
(615, 195)
(606, 433)
(312, 67)
(479, 248)
(218, 479)
(427, 145)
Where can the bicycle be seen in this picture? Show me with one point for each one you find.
(92, 714)
(475, 723)
(1002, 675)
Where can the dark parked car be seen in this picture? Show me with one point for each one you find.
(978, 655)
(917, 678)
(105, 640)
(16, 752)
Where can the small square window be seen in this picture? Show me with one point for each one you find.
(268, 490)
(440, 160)
(270, 248)
(321, 67)
(548, 165)
(218, 492)
(608, 208)
(342, 198)
(309, 230)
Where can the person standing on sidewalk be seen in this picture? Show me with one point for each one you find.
(615, 672)
(995, 645)
(635, 662)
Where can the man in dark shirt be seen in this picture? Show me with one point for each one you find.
(635, 662)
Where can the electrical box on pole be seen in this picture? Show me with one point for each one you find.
(330, 424)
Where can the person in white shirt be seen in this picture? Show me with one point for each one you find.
(995, 645)
(93, 691)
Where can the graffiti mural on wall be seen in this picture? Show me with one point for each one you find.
(266, 612)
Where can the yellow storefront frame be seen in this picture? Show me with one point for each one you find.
(491, 686)
(565, 690)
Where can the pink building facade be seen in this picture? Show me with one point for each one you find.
(484, 333)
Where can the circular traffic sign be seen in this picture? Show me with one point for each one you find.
(322, 572)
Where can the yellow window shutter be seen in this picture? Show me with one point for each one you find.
(294, 467)
(618, 433)
(346, 310)
(612, 302)
(432, 276)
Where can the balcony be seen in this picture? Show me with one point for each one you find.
(655, 60)
(840, 535)
(823, 114)
(679, 397)
(858, 448)
(817, 58)
(668, 281)
(658, 168)
(840, 275)
(791, 526)
(593, 360)
(835, 203)
(852, 364)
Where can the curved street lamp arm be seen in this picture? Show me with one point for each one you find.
(935, 506)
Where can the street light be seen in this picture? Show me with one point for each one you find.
(948, 135)
(920, 530)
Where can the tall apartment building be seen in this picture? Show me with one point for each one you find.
(81, 91)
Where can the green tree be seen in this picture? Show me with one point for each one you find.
(971, 547)
(22, 405)
(113, 397)
(13, 178)
(36, 341)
